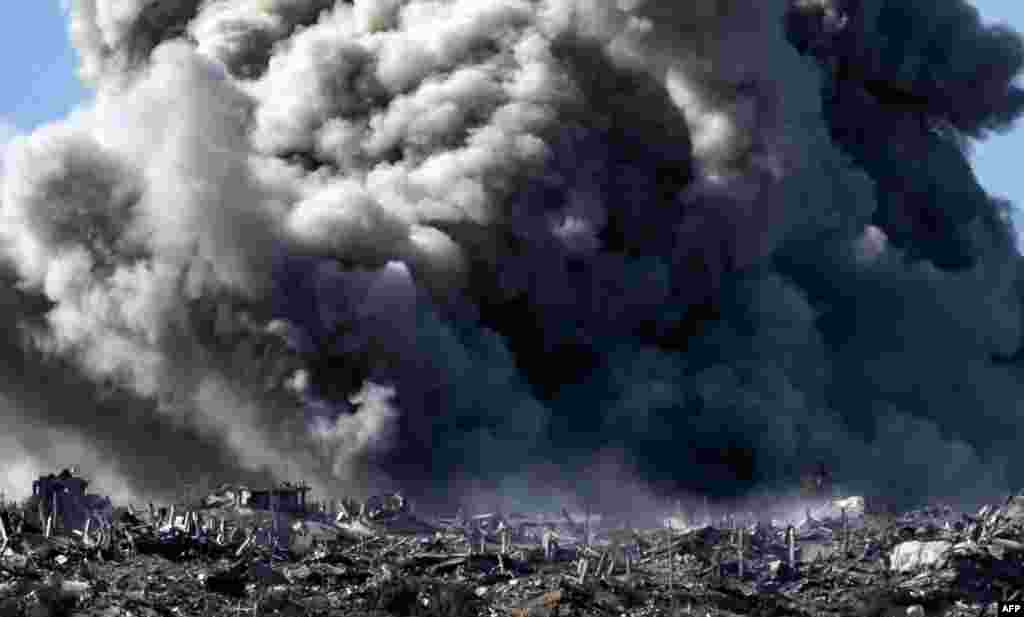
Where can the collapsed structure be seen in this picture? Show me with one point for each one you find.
(61, 503)
(351, 558)
(285, 498)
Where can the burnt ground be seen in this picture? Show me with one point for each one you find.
(927, 562)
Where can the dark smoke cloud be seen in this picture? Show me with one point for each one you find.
(497, 249)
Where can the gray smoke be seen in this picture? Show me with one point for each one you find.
(487, 247)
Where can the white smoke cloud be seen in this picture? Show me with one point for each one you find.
(367, 430)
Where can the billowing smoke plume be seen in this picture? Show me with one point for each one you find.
(510, 246)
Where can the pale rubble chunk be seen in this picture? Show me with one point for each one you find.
(909, 556)
(14, 560)
(1014, 508)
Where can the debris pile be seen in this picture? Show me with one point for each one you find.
(379, 558)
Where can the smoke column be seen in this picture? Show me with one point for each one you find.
(481, 247)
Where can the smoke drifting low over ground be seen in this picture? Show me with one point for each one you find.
(470, 248)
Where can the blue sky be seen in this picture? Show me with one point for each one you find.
(38, 66)
(995, 160)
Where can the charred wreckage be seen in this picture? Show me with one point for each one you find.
(273, 552)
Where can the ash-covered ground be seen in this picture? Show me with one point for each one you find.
(223, 555)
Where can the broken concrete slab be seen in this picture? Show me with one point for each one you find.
(913, 555)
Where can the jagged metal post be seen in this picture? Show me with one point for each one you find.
(672, 563)
(249, 539)
(668, 571)
(3, 539)
(106, 536)
(739, 549)
(846, 533)
(273, 514)
(791, 538)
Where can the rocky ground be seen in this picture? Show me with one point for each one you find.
(840, 561)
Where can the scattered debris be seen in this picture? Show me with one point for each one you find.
(224, 556)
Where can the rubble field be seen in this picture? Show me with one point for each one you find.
(219, 559)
